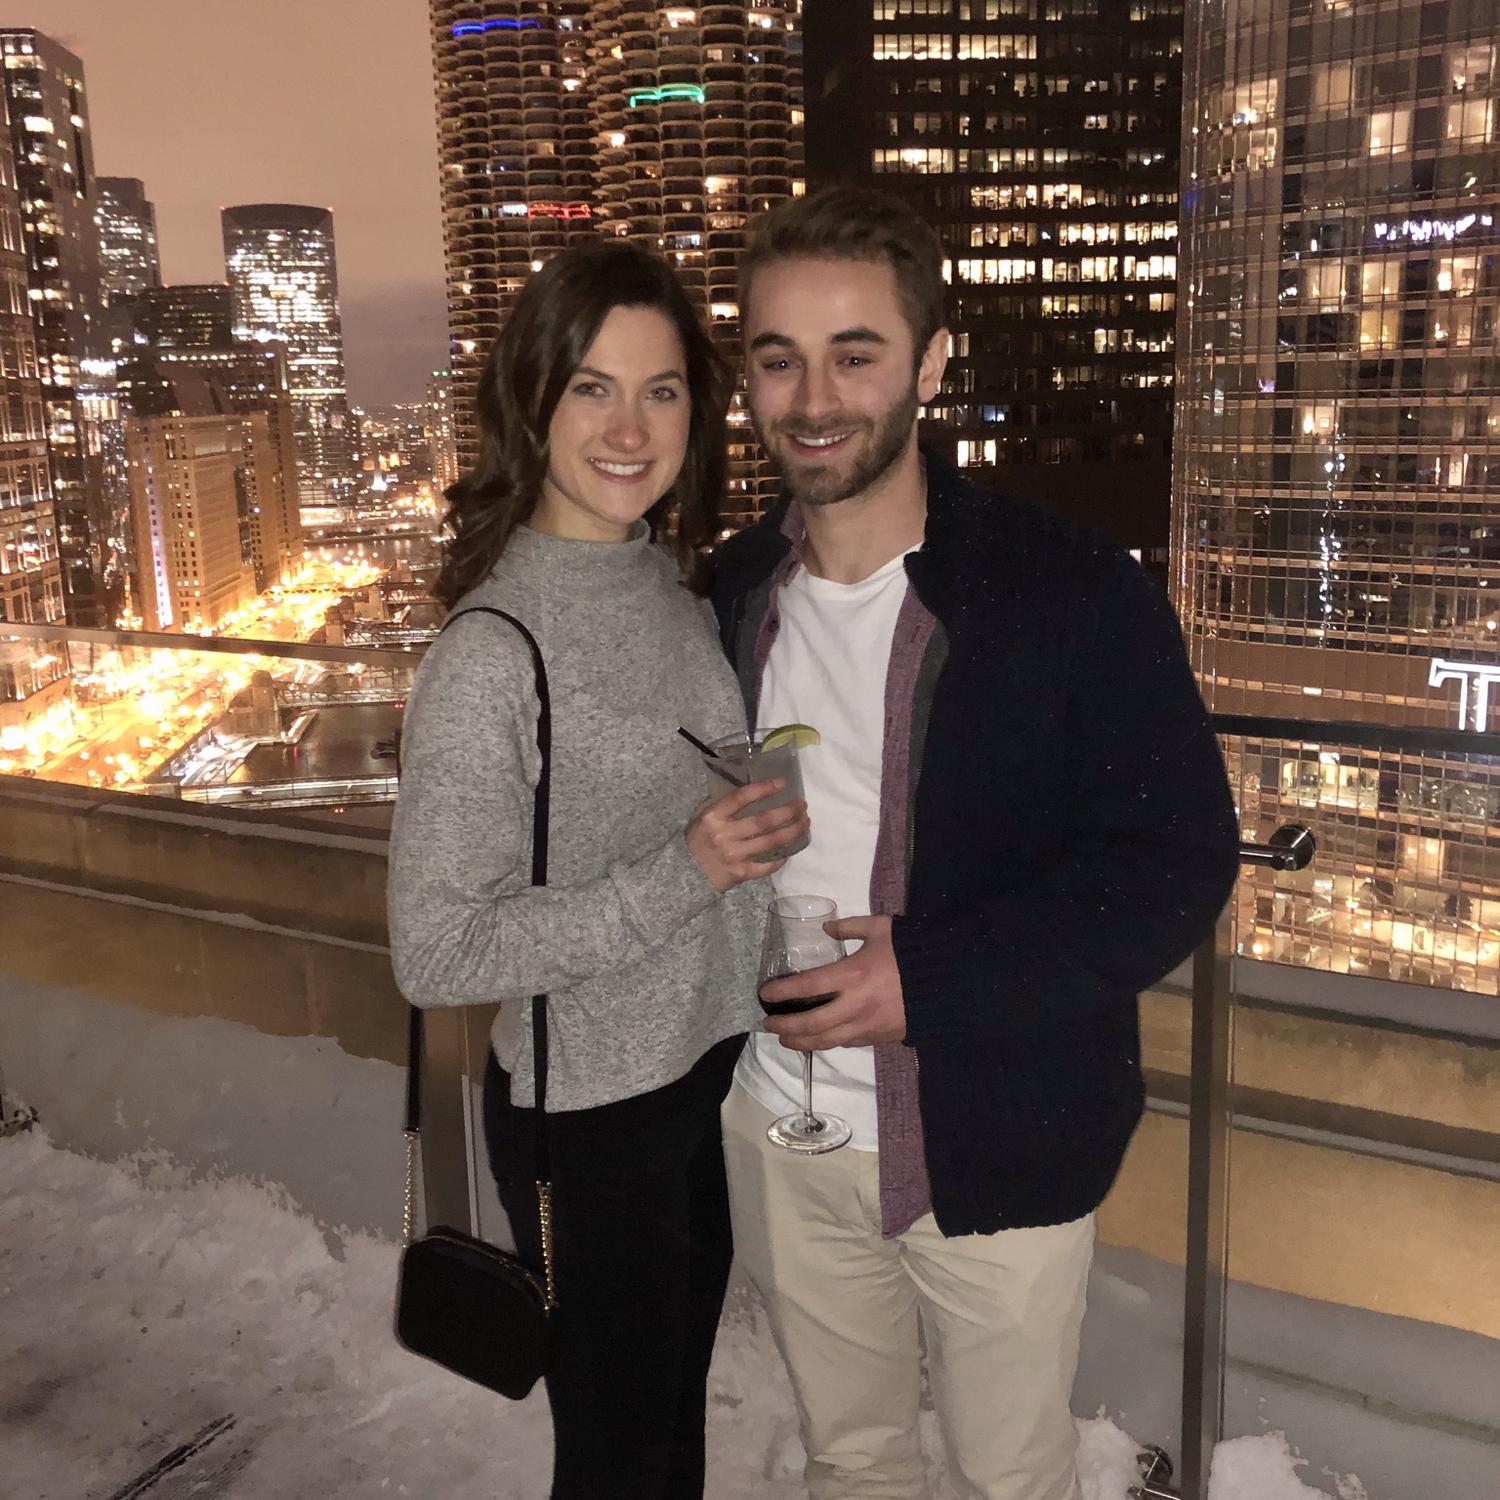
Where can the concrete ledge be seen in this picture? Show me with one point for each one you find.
(280, 869)
(174, 962)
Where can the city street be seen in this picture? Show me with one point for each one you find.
(133, 710)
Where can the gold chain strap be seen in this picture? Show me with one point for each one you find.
(409, 1207)
(544, 1212)
(544, 1209)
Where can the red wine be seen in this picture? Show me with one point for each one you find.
(795, 1007)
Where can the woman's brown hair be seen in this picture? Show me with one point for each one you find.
(556, 317)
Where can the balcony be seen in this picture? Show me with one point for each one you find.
(1302, 1237)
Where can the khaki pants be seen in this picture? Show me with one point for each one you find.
(1000, 1315)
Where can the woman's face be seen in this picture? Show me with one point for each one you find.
(620, 431)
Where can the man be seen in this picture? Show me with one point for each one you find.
(1018, 779)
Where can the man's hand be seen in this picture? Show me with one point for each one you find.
(868, 1005)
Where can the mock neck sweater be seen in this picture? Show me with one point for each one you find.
(644, 964)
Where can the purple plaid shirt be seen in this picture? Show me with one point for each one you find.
(904, 1192)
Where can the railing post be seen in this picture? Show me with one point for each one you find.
(1207, 1219)
(445, 1113)
(1290, 847)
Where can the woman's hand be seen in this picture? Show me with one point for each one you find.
(725, 846)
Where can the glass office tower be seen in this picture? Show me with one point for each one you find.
(1337, 479)
(1040, 139)
(284, 276)
(52, 142)
(129, 261)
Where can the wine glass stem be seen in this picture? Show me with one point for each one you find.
(807, 1108)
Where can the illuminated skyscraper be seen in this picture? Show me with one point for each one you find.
(515, 145)
(672, 125)
(441, 431)
(700, 128)
(187, 480)
(30, 575)
(185, 316)
(281, 265)
(1337, 482)
(50, 135)
(129, 262)
(32, 684)
(184, 361)
(1040, 139)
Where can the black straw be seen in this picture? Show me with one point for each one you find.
(715, 760)
(693, 740)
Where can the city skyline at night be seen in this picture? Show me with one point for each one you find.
(295, 108)
(1140, 688)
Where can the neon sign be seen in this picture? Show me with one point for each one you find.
(1424, 231)
(503, 23)
(1476, 678)
(561, 211)
(667, 91)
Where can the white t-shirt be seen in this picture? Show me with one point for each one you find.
(827, 668)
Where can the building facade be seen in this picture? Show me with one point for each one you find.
(250, 380)
(129, 262)
(671, 125)
(30, 572)
(1040, 139)
(1337, 483)
(284, 279)
(51, 141)
(129, 259)
(33, 684)
(700, 128)
(184, 316)
(442, 436)
(187, 480)
(515, 145)
(177, 378)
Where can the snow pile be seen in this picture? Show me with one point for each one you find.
(1264, 1468)
(206, 1327)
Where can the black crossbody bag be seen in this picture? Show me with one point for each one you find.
(480, 1311)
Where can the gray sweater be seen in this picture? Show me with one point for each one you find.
(645, 965)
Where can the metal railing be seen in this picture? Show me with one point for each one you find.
(1292, 847)
(224, 645)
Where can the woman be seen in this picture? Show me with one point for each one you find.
(602, 419)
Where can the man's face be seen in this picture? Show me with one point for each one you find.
(833, 375)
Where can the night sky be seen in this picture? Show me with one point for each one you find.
(329, 102)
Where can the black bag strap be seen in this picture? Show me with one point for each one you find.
(541, 809)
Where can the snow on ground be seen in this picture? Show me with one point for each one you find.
(209, 1329)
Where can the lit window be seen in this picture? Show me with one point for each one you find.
(1389, 131)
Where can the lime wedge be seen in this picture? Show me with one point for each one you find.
(800, 735)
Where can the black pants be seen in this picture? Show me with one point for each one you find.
(641, 1253)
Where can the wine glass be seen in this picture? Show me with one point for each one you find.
(794, 943)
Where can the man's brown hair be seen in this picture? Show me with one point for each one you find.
(855, 223)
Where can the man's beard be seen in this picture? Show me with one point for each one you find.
(885, 443)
